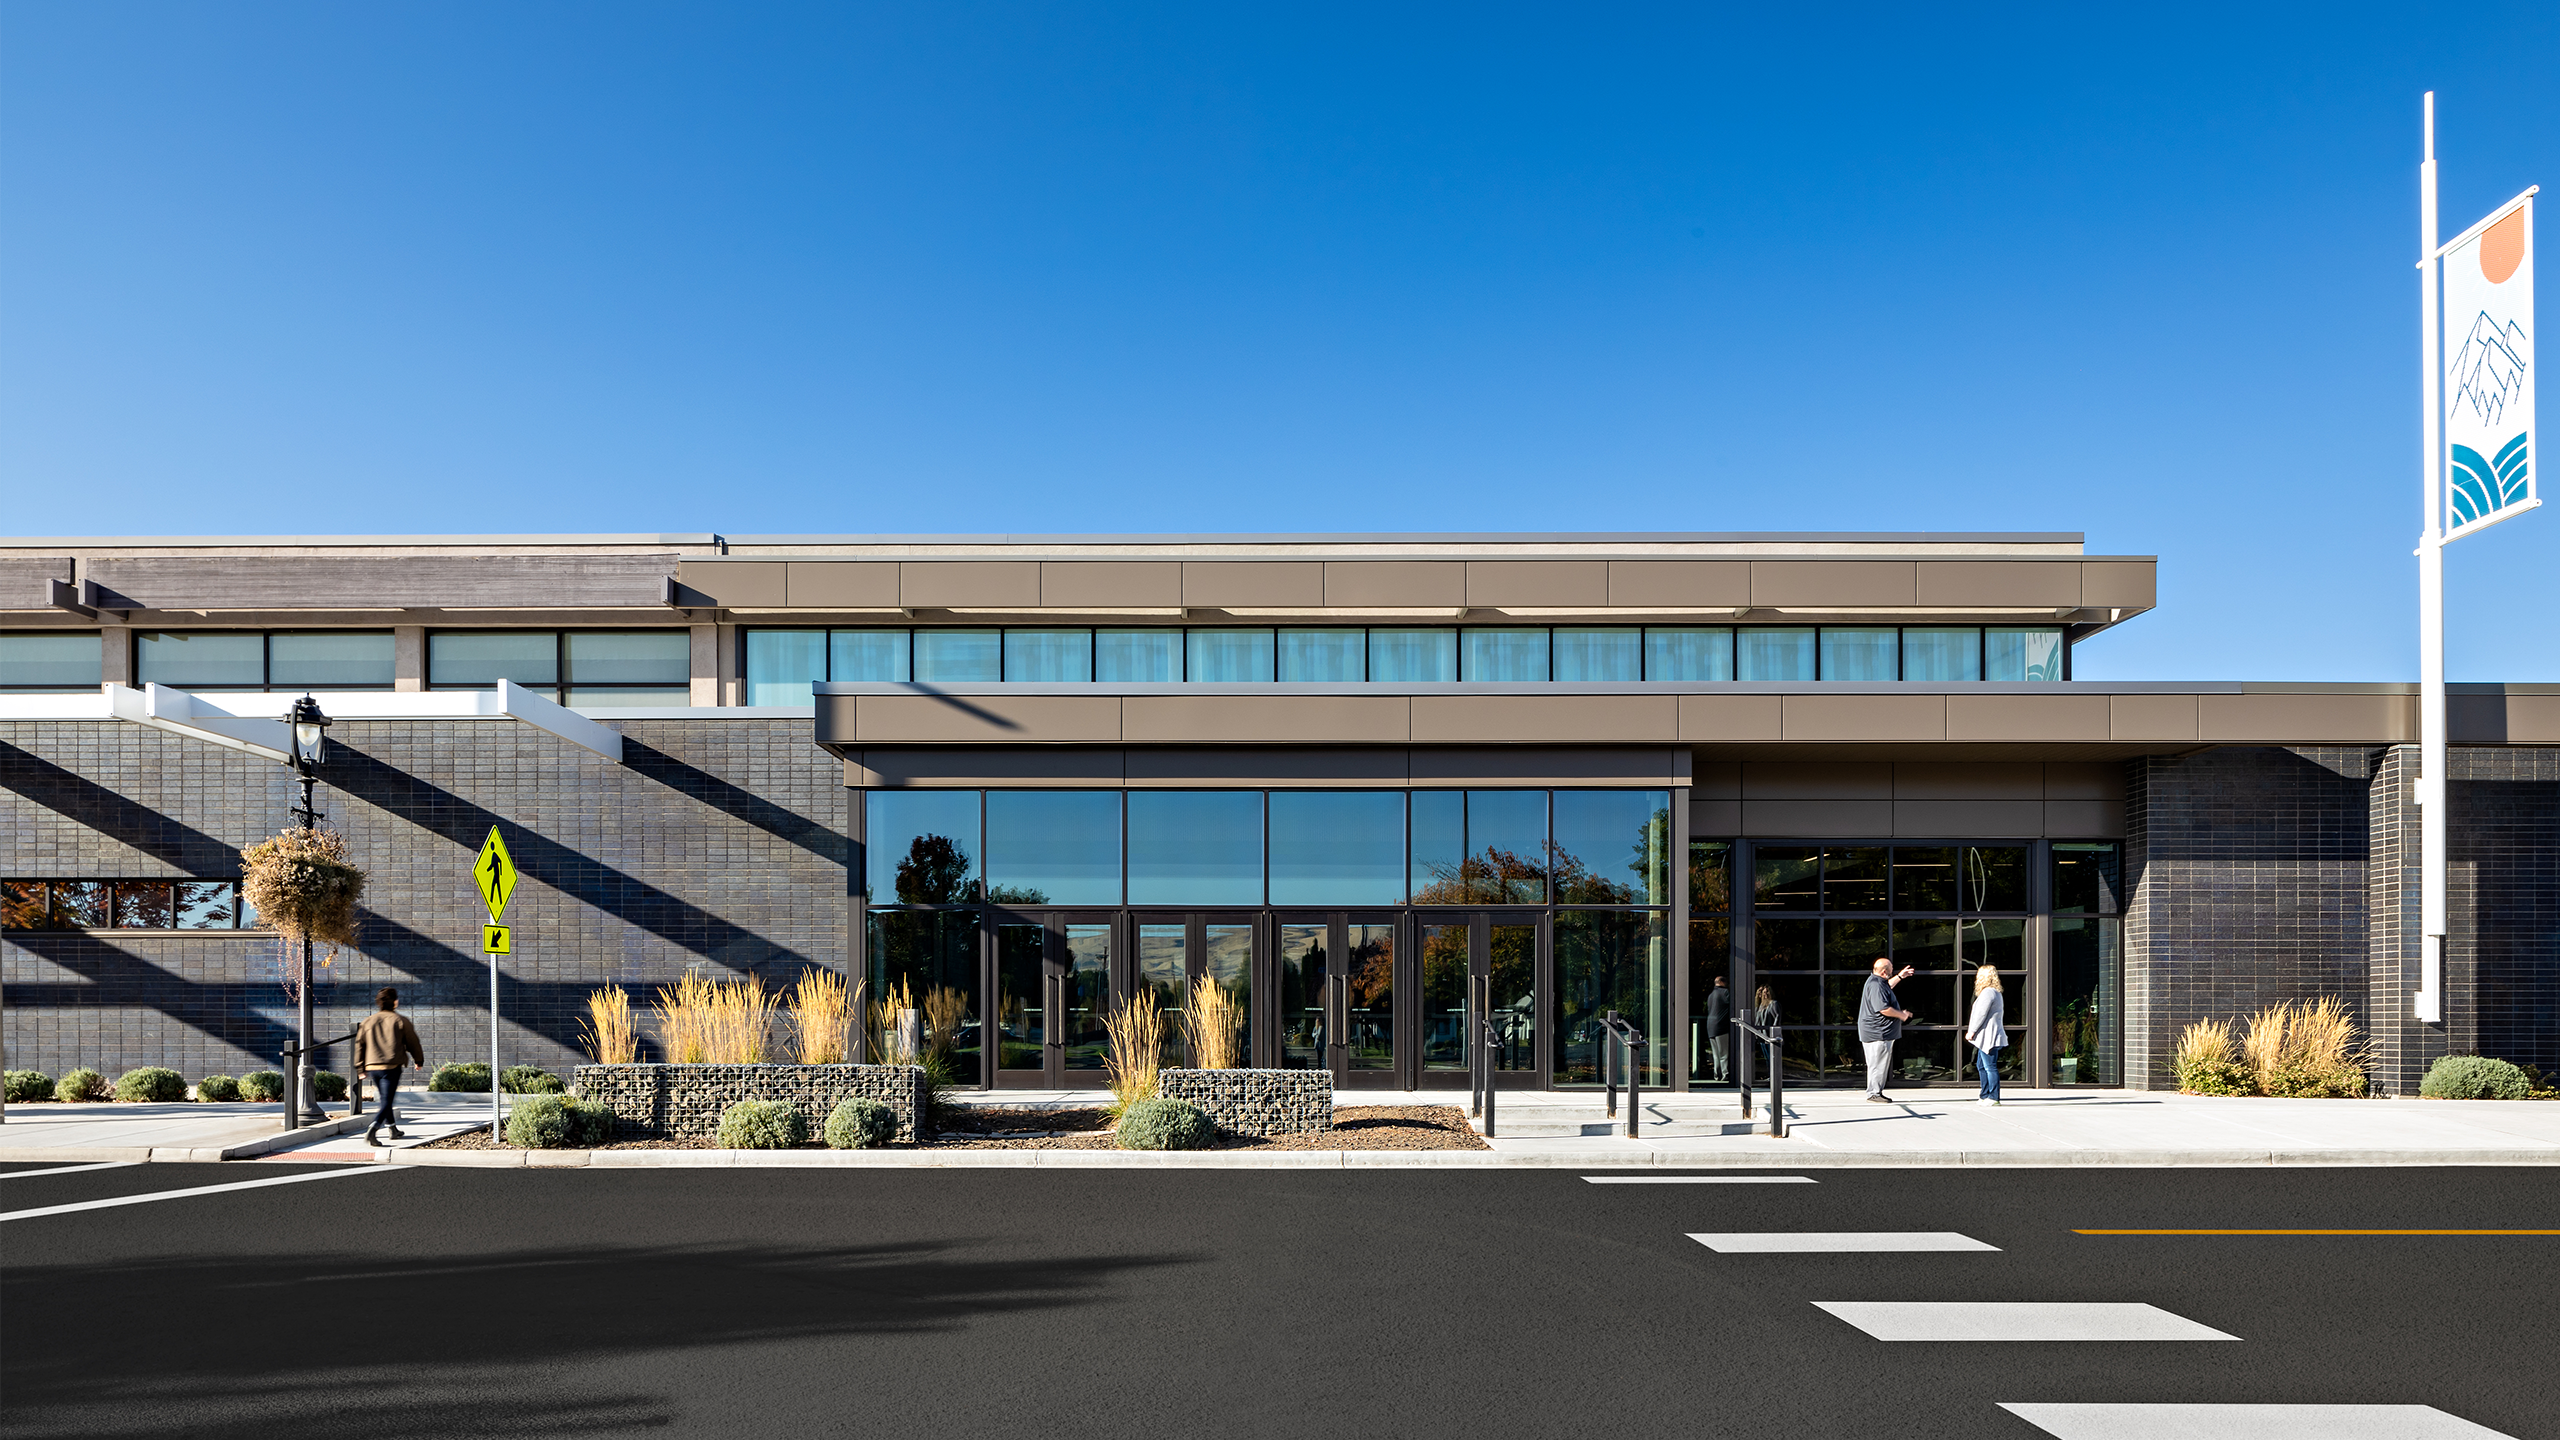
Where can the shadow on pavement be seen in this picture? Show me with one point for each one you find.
(496, 1344)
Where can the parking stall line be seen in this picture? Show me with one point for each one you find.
(338, 1173)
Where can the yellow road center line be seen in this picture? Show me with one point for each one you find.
(2316, 1232)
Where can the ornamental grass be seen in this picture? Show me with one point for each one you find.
(822, 1010)
(1136, 1028)
(2310, 1049)
(607, 1031)
(1214, 1025)
(302, 883)
(741, 1021)
(684, 1020)
(2205, 1064)
(894, 1039)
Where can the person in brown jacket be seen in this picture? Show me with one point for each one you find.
(382, 1041)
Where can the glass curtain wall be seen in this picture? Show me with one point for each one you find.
(2088, 963)
(1713, 1004)
(1823, 914)
(938, 866)
(781, 665)
(51, 660)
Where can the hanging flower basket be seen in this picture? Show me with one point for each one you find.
(301, 883)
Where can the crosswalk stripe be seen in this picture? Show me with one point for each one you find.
(2259, 1422)
(68, 1169)
(1838, 1242)
(1699, 1179)
(2017, 1320)
(338, 1172)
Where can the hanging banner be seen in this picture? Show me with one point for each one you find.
(2488, 381)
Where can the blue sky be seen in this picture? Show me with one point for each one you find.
(2141, 272)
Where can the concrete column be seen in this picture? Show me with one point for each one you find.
(408, 657)
(705, 670)
(115, 654)
(732, 677)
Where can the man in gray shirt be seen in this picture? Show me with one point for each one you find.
(1880, 1017)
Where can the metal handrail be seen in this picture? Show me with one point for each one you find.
(1618, 1036)
(1773, 1041)
(1480, 1070)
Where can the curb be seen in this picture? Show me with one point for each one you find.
(1756, 1159)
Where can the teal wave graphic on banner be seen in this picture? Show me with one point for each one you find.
(2482, 488)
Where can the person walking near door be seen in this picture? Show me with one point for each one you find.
(1984, 1030)
(384, 1039)
(1880, 1017)
(1719, 1025)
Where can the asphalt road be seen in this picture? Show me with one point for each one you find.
(445, 1302)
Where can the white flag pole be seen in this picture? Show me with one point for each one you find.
(2428, 1002)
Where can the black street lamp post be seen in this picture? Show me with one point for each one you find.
(310, 739)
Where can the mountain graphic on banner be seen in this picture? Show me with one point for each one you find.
(2490, 369)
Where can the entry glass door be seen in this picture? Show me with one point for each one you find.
(1177, 957)
(1499, 953)
(1334, 982)
(1053, 986)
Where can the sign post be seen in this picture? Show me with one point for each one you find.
(2477, 426)
(495, 873)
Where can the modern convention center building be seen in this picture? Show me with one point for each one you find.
(1014, 778)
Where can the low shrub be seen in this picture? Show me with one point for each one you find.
(2474, 1077)
(530, 1080)
(558, 1122)
(762, 1125)
(26, 1085)
(1166, 1125)
(262, 1085)
(328, 1085)
(466, 1076)
(595, 1121)
(859, 1124)
(151, 1082)
(217, 1087)
(81, 1084)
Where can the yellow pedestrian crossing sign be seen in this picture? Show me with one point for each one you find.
(496, 873)
(495, 939)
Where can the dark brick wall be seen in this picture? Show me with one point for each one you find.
(2246, 880)
(2260, 875)
(2503, 961)
(718, 844)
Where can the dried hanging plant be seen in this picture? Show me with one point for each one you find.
(302, 883)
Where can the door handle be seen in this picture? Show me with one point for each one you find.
(1054, 1022)
(1341, 1018)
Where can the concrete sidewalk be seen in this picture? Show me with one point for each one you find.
(190, 1131)
(1826, 1128)
(2032, 1127)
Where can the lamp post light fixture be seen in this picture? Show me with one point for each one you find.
(310, 748)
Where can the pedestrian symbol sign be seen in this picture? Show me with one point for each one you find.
(496, 873)
(495, 940)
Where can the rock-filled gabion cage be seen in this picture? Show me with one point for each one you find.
(1256, 1102)
(684, 1102)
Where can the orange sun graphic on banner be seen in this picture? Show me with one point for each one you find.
(2502, 249)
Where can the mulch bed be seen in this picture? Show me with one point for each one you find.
(976, 1127)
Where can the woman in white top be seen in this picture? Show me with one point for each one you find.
(1985, 1032)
